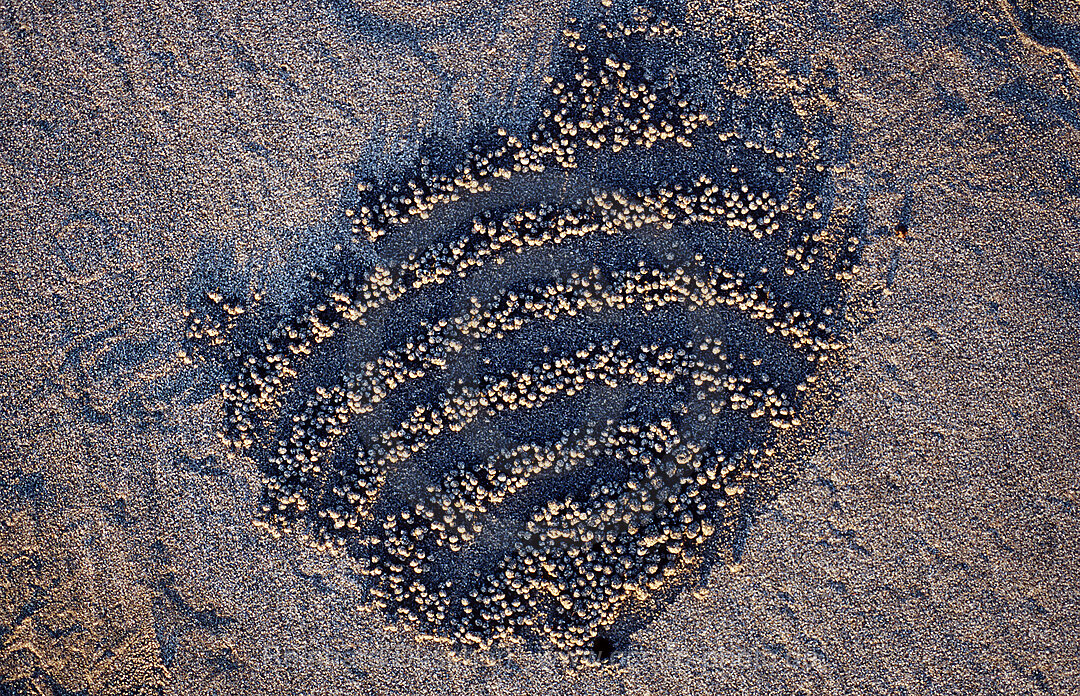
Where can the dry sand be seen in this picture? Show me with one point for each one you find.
(154, 151)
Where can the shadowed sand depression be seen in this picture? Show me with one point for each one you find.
(559, 392)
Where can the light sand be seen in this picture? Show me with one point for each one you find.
(151, 154)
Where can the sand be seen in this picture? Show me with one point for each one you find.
(153, 153)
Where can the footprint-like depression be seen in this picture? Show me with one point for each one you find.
(554, 397)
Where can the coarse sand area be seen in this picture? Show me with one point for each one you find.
(157, 154)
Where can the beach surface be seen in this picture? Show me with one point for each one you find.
(154, 153)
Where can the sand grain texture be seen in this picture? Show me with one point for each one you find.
(153, 152)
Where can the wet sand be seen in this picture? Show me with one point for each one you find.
(152, 155)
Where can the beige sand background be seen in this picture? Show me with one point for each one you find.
(150, 151)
